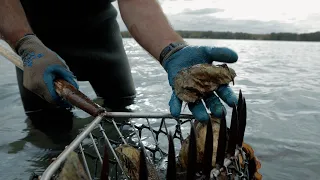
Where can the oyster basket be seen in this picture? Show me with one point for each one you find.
(158, 136)
(134, 129)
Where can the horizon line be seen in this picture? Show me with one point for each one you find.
(242, 32)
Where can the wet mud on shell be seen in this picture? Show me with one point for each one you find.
(73, 169)
(130, 159)
(201, 131)
(192, 84)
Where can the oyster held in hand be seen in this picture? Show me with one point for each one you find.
(193, 83)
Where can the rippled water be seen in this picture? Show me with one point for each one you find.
(280, 81)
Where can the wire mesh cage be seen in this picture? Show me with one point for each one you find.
(118, 128)
(159, 137)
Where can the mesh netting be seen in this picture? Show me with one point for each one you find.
(149, 133)
(128, 128)
(154, 140)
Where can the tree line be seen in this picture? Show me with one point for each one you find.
(284, 36)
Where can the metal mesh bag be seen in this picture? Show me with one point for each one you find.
(158, 145)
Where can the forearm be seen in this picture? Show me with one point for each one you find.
(148, 25)
(13, 21)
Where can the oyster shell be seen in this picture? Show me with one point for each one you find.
(73, 169)
(193, 83)
(130, 160)
(201, 131)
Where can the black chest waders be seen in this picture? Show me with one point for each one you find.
(87, 36)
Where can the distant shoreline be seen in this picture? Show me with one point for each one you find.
(315, 36)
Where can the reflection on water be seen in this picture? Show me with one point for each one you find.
(279, 80)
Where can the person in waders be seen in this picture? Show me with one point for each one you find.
(79, 40)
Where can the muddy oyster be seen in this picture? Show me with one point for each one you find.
(193, 83)
(73, 169)
(201, 131)
(130, 160)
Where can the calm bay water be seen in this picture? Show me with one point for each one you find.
(280, 81)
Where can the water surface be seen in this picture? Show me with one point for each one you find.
(280, 81)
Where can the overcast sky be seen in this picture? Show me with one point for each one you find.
(252, 16)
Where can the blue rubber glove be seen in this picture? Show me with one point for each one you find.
(192, 55)
(41, 67)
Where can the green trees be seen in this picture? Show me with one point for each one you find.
(283, 36)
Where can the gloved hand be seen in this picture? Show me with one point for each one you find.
(189, 56)
(41, 67)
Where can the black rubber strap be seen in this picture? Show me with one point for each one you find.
(170, 49)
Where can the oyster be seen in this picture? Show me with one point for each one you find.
(254, 163)
(130, 161)
(201, 131)
(73, 169)
(193, 83)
